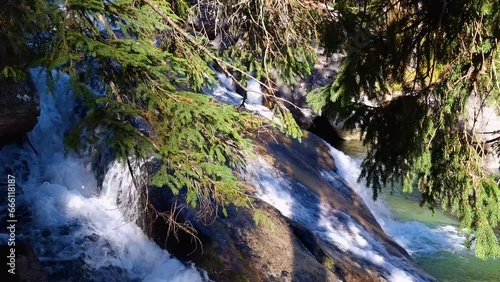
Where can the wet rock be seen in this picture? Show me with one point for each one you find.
(301, 165)
(19, 108)
(235, 248)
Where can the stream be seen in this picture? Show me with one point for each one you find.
(441, 254)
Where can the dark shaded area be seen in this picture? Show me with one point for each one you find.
(324, 129)
(19, 109)
(27, 265)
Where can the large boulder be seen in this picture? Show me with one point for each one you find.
(302, 164)
(283, 248)
(236, 248)
(19, 108)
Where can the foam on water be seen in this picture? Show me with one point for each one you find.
(333, 226)
(78, 230)
(224, 92)
(414, 236)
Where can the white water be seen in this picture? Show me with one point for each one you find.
(226, 89)
(225, 93)
(254, 94)
(414, 236)
(332, 226)
(79, 231)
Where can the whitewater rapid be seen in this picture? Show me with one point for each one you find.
(339, 229)
(416, 237)
(332, 226)
(81, 232)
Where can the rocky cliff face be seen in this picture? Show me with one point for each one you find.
(19, 108)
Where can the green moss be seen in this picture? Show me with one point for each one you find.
(262, 219)
(328, 263)
(242, 278)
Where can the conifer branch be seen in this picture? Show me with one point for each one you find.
(223, 64)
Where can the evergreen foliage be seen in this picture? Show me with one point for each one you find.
(152, 64)
(269, 40)
(152, 69)
(25, 26)
(437, 54)
(265, 35)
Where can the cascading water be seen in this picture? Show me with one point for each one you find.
(414, 236)
(339, 229)
(439, 241)
(432, 239)
(332, 226)
(80, 232)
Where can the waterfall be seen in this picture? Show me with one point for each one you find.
(340, 230)
(224, 92)
(79, 230)
(416, 237)
(254, 94)
(332, 226)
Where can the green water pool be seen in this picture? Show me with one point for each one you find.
(445, 266)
